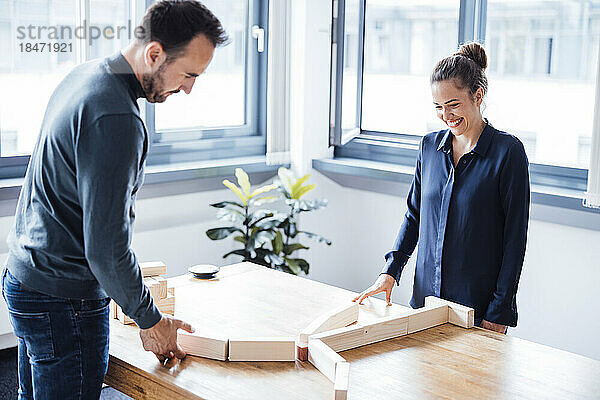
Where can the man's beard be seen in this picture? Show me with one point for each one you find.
(153, 85)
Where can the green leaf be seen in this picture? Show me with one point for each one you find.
(289, 249)
(260, 258)
(259, 238)
(233, 187)
(315, 236)
(240, 238)
(293, 265)
(221, 233)
(243, 181)
(278, 243)
(228, 214)
(273, 259)
(261, 190)
(224, 204)
(271, 222)
(239, 252)
(303, 265)
(311, 205)
(259, 217)
(299, 184)
(301, 192)
(287, 178)
(257, 202)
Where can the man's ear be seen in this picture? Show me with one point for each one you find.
(154, 55)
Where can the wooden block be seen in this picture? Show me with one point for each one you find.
(163, 291)
(167, 310)
(124, 318)
(338, 318)
(323, 358)
(154, 287)
(262, 349)
(427, 317)
(301, 353)
(354, 336)
(167, 305)
(457, 313)
(171, 290)
(168, 301)
(340, 386)
(113, 310)
(153, 268)
(193, 344)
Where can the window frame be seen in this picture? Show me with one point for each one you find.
(402, 148)
(197, 144)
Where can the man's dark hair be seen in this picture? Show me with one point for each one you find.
(174, 23)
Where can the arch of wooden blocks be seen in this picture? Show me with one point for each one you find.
(320, 342)
(323, 347)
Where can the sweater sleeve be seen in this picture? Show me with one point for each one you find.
(109, 156)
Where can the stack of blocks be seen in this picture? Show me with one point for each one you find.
(163, 296)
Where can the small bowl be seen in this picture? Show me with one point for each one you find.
(204, 271)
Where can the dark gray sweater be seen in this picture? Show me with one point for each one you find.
(75, 215)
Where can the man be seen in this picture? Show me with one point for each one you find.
(70, 246)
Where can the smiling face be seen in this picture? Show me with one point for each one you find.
(457, 107)
(167, 76)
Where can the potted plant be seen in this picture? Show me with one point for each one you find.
(267, 236)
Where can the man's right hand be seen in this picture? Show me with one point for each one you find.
(161, 339)
(385, 283)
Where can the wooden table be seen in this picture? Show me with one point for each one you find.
(446, 362)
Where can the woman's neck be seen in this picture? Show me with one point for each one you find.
(469, 139)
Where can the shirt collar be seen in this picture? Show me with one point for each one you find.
(120, 67)
(446, 143)
(483, 143)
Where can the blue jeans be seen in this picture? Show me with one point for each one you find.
(63, 343)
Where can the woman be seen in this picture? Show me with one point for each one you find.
(468, 205)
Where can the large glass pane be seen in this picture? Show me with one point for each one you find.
(39, 49)
(543, 59)
(403, 42)
(111, 28)
(218, 97)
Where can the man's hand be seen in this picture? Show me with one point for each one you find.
(385, 283)
(493, 326)
(161, 339)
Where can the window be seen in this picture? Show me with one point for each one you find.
(28, 75)
(111, 28)
(545, 86)
(542, 58)
(223, 116)
(218, 97)
(403, 41)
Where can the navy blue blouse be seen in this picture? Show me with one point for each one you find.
(470, 222)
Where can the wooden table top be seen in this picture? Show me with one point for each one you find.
(445, 362)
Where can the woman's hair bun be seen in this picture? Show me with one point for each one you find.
(475, 52)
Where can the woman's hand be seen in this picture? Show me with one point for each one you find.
(493, 326)
(385, 283)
